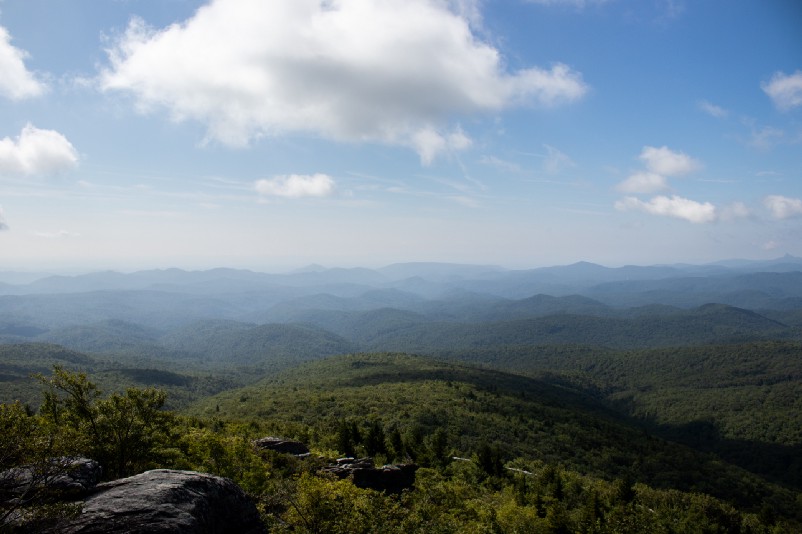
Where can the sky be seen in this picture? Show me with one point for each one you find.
(271, 134)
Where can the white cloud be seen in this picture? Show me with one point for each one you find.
(643, 182)
(457, 140)
(428, 143)
(674, 206)
(35, 152)
(666, 162)
(296, 186)
(16, 82)
(783, 207)
(506, 166)
(3, 224)
(736, 210)
(556, 161)
(395, 72)
(766, 137)
(713, 110)
(785, 90)
(660, 163)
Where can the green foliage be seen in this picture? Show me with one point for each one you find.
(704, 325)
(19, 435)
(489, 460)
(318, 504)
(454, 500)
(587, 424)
(184, 382)
(32, 454)
(270, 347)
(742, 402)
(433, 410)
(124, 432)
(488, 494)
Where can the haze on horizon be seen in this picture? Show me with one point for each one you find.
(271, 135)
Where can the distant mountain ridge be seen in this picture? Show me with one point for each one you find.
(580, 274)
(425, 306)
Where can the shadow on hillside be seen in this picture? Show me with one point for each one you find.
(779, 463)
(772, 462)
(493, 382)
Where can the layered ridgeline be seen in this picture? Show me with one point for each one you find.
(166, 298)
(684, 377)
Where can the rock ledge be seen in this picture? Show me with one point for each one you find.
(164, 500)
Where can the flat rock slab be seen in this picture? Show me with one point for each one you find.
(164, 501)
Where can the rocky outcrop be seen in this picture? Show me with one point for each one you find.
(167, 501)
(63, 478)
(387, 478)
(281, 445)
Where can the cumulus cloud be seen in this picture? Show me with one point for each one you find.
(785, 90)
(3, 224)
(666, 162)
(643, 182)
(673, 206)
(713, 110)
(35, 152)
(783, 207)
(296, 186)
(17, 82)
(660, 163)
(395, 72)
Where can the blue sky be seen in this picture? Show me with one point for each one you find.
(272, 134)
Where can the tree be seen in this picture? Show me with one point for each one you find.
(122, 432)
(30, 461)
(438, 447)
(374, 440)
(396, 444)
(489, 460)
(345, 438)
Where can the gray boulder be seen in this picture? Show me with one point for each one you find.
(387, 478)
(285, 446)
(60, 478)
(162, 501)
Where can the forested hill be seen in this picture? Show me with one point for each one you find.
(467, 407)
(316, 333)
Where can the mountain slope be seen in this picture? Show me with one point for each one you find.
(112, 335)
(706, 324)
(270, 346)
(526, 418)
